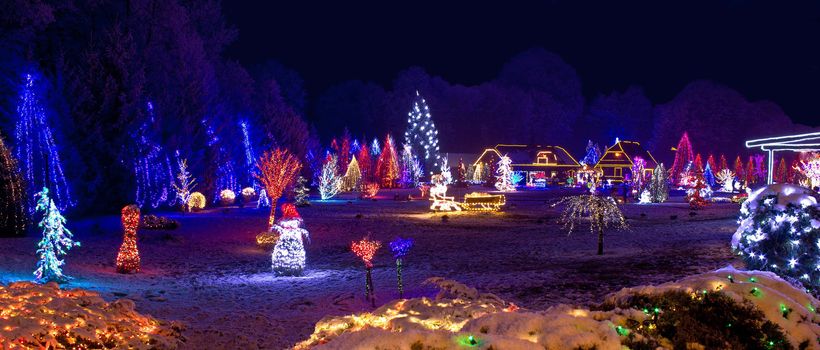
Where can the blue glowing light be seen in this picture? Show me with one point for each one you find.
(152, 168)
(36, 150)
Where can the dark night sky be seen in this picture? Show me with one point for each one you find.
(764, 51)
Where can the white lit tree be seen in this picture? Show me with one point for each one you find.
(56, 242)
(421, 134)
(185, 185)
(659, 186)
(330, 182)
(599, 212)
(353, 176)
(811, 170)
(504, 179)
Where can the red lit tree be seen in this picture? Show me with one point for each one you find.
(128, 258)
(739, 169)
(344, 151)
(781, 175)
(750, 171)
(365, 163)
(387, 167)
(723, 163)
(794, 174)
(683, 155)
(277, 170)
(698, 164)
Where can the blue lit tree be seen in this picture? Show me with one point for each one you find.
(55, 243)
(36, 149)
(592, 155)
(709, 175)
(153, 175)
(421, 134)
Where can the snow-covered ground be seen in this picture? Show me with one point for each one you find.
(210, 274)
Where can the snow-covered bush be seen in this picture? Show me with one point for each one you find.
(697, 310)
(780, 232)
(45, 316)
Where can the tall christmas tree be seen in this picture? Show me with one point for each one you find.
(659, 187)
(353, 176)
(683, 155)
(56, 242)
(422, 135)
(504, 172)
(365, 163)
(739, 169)
(12, 195)
(387, 167)
(36, 148)
(288, 257)
(329, 182)
(709, 175)
(698, 165)
(781, 175)
(723, 164)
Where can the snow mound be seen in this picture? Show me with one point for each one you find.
(768, 292)
(460, 316)
(44, 316)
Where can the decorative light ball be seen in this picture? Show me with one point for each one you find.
(227, 197)
(248, 194)
(196, 201)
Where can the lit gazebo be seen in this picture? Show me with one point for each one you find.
(794, 143)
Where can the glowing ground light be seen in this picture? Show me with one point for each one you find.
(622, 331)
(469, 341)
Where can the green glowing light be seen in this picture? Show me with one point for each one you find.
(622, 331)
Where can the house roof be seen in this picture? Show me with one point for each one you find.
(623, 152)
(529, 154)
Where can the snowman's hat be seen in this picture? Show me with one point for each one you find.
(289, 212)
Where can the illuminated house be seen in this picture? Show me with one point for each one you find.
(616, 163)
(535, 164)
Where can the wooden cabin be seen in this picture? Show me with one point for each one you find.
(536, 165)
(617, 162)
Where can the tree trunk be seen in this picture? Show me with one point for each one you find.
(398, 274)
(272, 215)
(600, 240)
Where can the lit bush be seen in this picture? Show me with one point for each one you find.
(227, 197)
(779, 232)
(196, 201)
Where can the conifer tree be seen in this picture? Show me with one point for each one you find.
(353, 176)
(421, 134)
(683, 155)
(387, 167)
(56, 242)
(659, 187)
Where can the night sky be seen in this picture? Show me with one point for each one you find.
(765, 51)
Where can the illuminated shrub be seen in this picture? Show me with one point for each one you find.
(196, 201)
(779, 232)
(227, 197)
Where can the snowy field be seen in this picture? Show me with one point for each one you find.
(210, 274)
